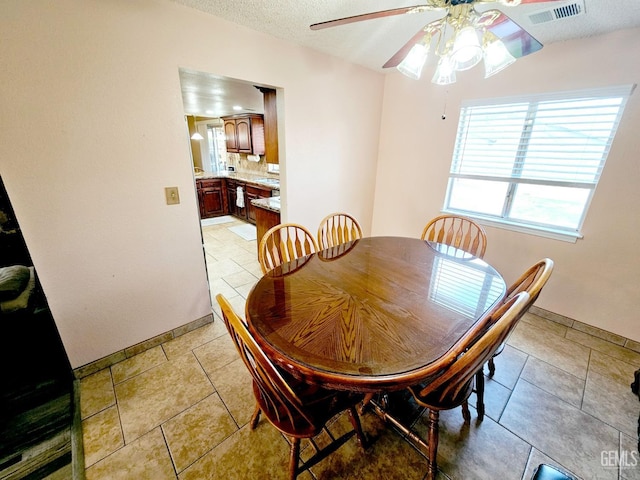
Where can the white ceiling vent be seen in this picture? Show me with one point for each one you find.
(558, 13)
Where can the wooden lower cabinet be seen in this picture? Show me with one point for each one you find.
(253, 193)
(212, 197)
(218, 196)
(265, 219)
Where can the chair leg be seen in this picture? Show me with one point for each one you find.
(365, 401)
(255, 418)
(432, 468)
(294, 458)
(466, 414)
(480, 394)
(492, 367)
(354, 418)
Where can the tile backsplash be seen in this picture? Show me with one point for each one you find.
(243, 165)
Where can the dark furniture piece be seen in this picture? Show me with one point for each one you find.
(548, 472)
(635, 388)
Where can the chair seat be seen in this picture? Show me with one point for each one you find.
(547, 472)
(320, 406)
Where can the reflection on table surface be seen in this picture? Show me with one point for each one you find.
(371, 310)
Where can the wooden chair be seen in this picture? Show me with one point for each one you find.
(457, 231)
(531, 282)
(283, 243)
(336, 229)
(297, 409)
(453, 387)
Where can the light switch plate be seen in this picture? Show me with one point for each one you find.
(172, 195)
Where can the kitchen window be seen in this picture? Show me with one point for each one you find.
(532, 163)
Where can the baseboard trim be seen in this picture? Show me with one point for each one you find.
(588, 329)
(109, 360)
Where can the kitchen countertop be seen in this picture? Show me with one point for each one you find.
(271, 182)
(271, 203)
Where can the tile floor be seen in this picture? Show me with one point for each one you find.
(181, 410)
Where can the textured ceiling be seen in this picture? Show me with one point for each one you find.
(371, 43)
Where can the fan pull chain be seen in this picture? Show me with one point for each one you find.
(444, 109)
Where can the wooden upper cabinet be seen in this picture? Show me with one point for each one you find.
(245, 134)
(270, 125)
(230, 135)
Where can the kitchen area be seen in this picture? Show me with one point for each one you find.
(235, 157)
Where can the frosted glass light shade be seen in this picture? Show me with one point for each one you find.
(466, 52)
(197, 136)
(412, 64)
(445, 73)
(496, 58)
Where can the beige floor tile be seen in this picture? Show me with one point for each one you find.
(198, 430)
(218, 285)
(509, 365)
(549, 325)
(244, 290)
(194, 339)
(234, 385)
(240, 278)
(153, 397)
(245, 258)
(96, 393)
(496, 397)
(216, 354)
(560, 430)
(140, 363)
(222, 268)
(554, 350)
(603, 346)
(258, 454)
(256, 270)
(612, 402)
(469, 451)
(145, 459)
(554, 380)
(629, 459)
(102, 435)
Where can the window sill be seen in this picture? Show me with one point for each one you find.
(562, 235)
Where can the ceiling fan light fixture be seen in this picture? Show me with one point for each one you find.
(445, 72)
(412, 64)
(467, 51)
(496, 56)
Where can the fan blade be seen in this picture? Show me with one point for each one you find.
(517, 40)
(400, 54)
(372, 15)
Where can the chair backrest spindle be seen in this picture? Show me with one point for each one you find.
(457, 231)
(336, 229)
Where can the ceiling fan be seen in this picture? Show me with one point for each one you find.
(462, 38)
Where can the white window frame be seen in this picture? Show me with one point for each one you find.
(503, 221)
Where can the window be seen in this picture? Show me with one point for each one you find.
(533, 163)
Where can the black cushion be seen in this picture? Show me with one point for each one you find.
(547, 472)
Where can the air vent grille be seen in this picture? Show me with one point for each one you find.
(558, 13)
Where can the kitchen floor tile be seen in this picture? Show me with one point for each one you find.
(573, 437)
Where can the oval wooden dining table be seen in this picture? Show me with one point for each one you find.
(376, 314)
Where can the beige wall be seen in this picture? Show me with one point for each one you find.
(92, 130)
(597, 279)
